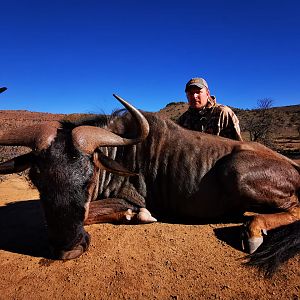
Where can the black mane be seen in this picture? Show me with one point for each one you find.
(100, 120)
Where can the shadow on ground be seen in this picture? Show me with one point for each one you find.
(231, 235)
(22, 229)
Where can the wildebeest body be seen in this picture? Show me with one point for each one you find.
(189, 174)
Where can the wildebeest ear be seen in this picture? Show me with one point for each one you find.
(112, 166)
(17, 164)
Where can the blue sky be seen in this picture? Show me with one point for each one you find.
(70, 55)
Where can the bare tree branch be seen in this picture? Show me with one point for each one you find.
(260, 126)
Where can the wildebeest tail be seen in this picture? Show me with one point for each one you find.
(279, 245)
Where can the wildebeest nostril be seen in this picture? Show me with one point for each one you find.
(80, 247)
(77, 251)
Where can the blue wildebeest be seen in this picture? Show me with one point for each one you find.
(119, 169)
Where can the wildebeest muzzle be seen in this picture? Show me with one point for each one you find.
(75, 249)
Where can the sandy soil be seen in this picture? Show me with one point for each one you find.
(155, 261)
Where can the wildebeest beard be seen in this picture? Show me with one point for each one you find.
(62, 174)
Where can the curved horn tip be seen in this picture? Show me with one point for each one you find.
(141, 120)
(120, 99)
(3, 89)
(126, 104)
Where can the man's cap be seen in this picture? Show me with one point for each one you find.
(199, 82)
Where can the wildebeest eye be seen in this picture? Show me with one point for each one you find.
(37, 169)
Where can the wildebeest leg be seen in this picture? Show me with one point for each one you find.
(262, 182)
(113, 210)
(260, 224)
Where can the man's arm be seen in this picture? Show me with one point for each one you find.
(229, 124)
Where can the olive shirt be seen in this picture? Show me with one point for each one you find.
(215, 119)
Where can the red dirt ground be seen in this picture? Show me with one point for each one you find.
(155, 261)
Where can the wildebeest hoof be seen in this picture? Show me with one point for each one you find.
(250, 244)
(144, 216)
(254, 243)
(129, 214)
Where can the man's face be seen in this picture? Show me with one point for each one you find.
(197, 97)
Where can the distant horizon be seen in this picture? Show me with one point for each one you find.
(175, 102)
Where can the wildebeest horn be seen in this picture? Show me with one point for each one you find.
(88, 138)
(3, 89)
(36, 137)
(17, 164)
